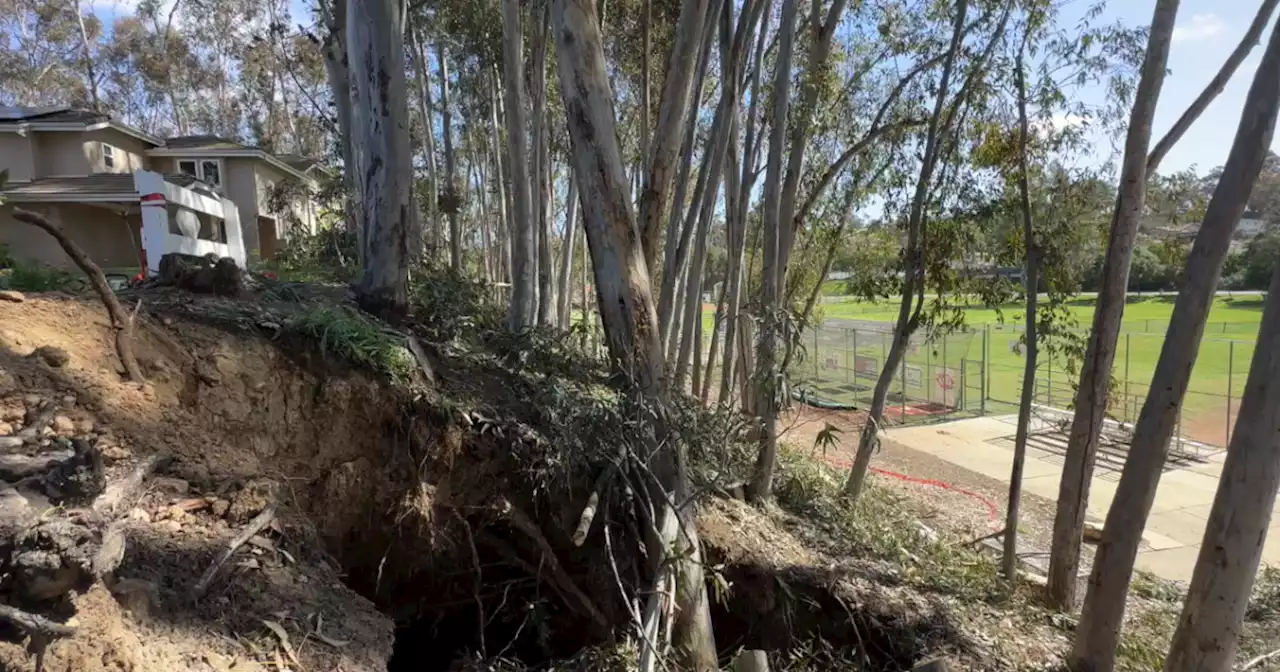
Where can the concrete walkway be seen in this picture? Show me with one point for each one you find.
(1175, 528)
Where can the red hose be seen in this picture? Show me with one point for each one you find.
(993, 514)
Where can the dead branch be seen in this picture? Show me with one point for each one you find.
(561, 577)
(121, 322)
(120, 493)
(255, 526)
(979, 540)
(421, 355)
(35, 625)
(589, 511)
(1260, 660)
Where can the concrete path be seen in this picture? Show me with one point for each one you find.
(1175, 528)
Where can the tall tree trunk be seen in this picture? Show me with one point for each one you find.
(736, 219)
(625, 298)
(338, 72)
(1031, 282)
(505, 207)
(450, 165)
(429, 144)
(380, 136)
(540, 174)
(693, 284)
(646, 68)
(767, 395)
(1098, 632)
(563, 293)
(717, 325)
(913, 280)
(1209, 628)
(91, 76)
(1095, 375)
(523, 312)
(671, 119)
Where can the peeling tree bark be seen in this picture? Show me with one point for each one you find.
(1098, 632)
(625, 298)
(380, 137)
(1095, 373)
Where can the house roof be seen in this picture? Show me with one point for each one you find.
(206, 142)
(98, 187)
(213, 146)
(23, 119)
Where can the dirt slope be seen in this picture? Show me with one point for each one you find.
(244, 425)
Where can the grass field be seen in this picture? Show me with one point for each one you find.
(986, 362)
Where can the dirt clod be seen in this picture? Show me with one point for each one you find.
(63, 425)
(12, 296)
(251, 500)
(171, 485)
(52, 355)
(220, 507)
(6, 429)
(139, 597)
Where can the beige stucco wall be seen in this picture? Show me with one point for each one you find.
(303, 208)
(61, 154)
(242, 188)
(103, 234)
(17, 157)
(129, 151)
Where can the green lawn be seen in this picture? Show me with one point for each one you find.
(987, 362)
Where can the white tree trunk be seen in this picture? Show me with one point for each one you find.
(671, 119)
(432, 241)
(540, 173)
(625, 298)
(563, 293)
(450, 165)
(380, 136)
(1098, 632)
(1095, 375)
(523, 312)
(1209, 628)
(338, 72)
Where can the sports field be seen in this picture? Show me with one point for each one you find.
(980, 368)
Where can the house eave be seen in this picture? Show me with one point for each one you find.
(22, 128)
(198, 153)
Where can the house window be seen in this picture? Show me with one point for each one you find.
(208, 171)
(108, 156)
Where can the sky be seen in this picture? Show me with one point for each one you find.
(1206, 32)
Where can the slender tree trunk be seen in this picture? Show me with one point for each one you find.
(505, 199)
(429, 144)
(676, 91)
(91, 76)
(563, 293)
(912, 281)
(1098, 633)
(1209, 629)
(717, 326)
(1095, 376)
(338, 71)
(380, 136)
(766, 397)
(646, 67)
(736, 221)
(450, 167)
(540, 174)
(1032, 278)
(524, 308)
(693, 285)
(625, 298)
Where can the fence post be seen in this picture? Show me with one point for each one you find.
(1049, 382)
(846, 355)
(986, 360)
(854, 362)
(817, 372)
(1231, 360)
(1128, 348)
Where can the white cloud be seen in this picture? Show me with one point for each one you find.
(1201, 27)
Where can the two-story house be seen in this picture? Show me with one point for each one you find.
(76, 166)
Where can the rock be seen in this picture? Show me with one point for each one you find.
(935, 665)
(176, 486)
(32, 400)
(63, 425)
(52, 355)
(751, 661)
(14, 468)
(1092, 533)
(139, 515)
(220, 507)
(171, 526)
(69, 400)
(252, 499)
(54, 557)
(84, 426)
(77, 480)
(138, 597)
(6, 429)
(11, 413)
(12, 296)
(115, 453)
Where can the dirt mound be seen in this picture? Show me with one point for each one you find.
(243, 424)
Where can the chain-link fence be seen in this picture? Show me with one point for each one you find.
(979, 371)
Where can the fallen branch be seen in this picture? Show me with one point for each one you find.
(259, 522)
(35, 625)
(120, 493)
(120, 320)
(1266, 657)
(421, 355)
(589, 511)
(979, 540)
(561, 577)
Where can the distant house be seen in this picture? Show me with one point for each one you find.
(1251, 224)
(77, 167)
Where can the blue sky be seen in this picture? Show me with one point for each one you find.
(1206, 32)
